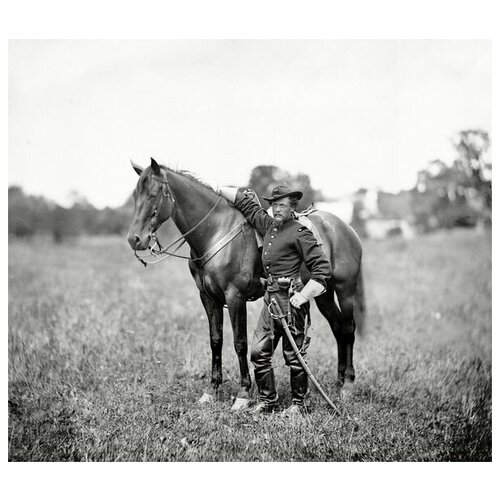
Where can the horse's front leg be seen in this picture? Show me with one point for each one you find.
(238, 314)
(215, 320)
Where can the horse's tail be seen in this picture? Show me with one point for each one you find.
(360, 304)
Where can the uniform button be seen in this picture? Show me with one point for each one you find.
(269, 243)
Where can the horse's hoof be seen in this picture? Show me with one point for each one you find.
(347, 391)
(240, 404)
(206, 398)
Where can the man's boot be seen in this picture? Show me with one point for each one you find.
(299, 382)
(268, 396)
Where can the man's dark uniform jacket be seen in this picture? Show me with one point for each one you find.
(285, 247)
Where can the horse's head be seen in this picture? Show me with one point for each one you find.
(153, 204)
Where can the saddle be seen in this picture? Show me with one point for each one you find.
(301, 217)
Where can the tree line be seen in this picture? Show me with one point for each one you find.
(35, 215)
(459, 194)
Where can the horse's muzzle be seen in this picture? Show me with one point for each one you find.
(138, 243)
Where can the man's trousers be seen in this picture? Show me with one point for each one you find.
(266, 337)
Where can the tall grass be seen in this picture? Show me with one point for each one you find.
(107, 360)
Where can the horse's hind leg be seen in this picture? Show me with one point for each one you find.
(238, 314)
(328, 308)
(215, 320)
(346, 302)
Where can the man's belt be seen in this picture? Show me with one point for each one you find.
(280, 282)
(283, 285)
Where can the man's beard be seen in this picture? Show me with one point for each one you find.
(279, 222)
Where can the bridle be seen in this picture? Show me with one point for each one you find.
(166, 192)
(156, 249)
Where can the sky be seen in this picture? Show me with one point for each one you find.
(350, 114)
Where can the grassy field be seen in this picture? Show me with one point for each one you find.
(107, 360)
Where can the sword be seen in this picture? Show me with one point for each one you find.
(279, 314)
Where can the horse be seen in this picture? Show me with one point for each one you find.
(225, 263)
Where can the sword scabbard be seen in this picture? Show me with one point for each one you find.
(302, 361)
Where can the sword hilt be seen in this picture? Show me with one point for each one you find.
(279, 314)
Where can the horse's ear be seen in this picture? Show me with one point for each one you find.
(136, 167)
(155, 167)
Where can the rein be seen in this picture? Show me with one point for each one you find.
(166, 193)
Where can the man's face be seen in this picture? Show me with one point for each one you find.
(282, 209)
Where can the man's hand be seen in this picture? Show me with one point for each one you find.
(297, 300)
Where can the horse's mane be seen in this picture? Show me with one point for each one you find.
(192, 176)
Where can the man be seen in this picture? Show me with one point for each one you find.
(287, 244)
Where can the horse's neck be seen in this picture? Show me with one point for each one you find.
(192, 203)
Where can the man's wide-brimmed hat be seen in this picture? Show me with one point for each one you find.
(281, 192)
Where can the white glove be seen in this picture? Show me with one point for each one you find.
(311, 290)
(297, 299)
(228, 192)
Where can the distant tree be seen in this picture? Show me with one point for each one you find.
(264, 178)
(28, 215)
(112, 221)
(34, 215)
(456, 195)
(21, 217)
(83, 217)
(302, 182)
(472, 147)
(62, 225)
